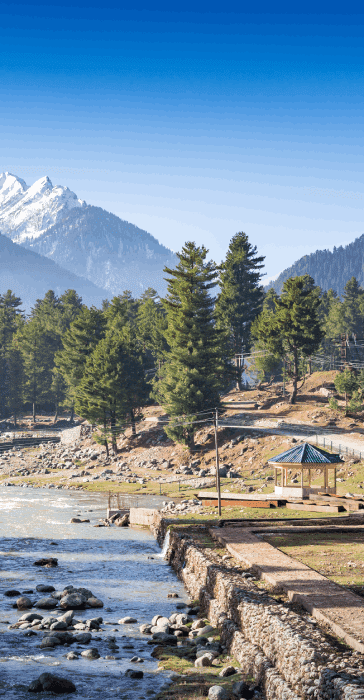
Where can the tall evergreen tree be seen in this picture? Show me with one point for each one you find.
(241, 295)
(78, 342)
(11, 319)
(113, 385)
(192, 373)
(295, 327)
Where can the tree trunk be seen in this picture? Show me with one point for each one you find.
(14, 419)
(295, 377)
(105, 443)
(238, 373)
(132, 419)
(113, 436)
(72, 414)
(34, 419)
(56, 414)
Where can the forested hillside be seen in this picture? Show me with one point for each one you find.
(330, 270)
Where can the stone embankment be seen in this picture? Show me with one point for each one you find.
(286, 652)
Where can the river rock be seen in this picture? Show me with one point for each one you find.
(127, 620)
(11, 593)
(49, 563)
(216, 692)
(198, 625)
(164, 638)
(204, 631)
(72, 656)
(73, 601)
(30, 617)
(51, 683)
(83, 637)
(155, 619)
(59, 625)
(94, 602)
(227, 671)
(90, 654)
(67, 617)
(79, 520)
(145, 629)
(204, 660)
(24, 602)
(162, 621)
(44, 588)
(241, 690)
(183, 619)
(84, 591)
(49, 642)
(130, 673)
(46, 603)
(211, 653)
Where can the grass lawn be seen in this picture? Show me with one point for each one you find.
(337, 555)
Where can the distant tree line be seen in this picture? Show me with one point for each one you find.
(106, 364)
(181, 351)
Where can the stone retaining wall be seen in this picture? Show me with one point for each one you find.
(284, 651)
(143, 516)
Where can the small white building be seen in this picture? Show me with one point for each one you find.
(304, 459)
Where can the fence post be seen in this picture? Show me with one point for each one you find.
(324, 442)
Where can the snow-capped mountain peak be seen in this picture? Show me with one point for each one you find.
(11, 188)
(26, 212)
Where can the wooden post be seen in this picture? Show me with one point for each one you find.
(335, 479)
(217, 463)
(302, 480)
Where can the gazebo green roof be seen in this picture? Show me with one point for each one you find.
(305, 454)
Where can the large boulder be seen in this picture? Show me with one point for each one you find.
(83, 637)
(46, 603)
(217, 692)
(48, 563)
(73, 601)
(90, 654)
(94, 602)
(44, 588)
(53, 684)
(24, 602)
(11, 593)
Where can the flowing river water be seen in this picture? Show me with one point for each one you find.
(122, 566)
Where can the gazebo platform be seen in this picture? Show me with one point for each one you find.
(304, 459)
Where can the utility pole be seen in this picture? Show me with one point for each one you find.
(217, 462)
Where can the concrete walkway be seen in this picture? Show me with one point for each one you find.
(342, 610)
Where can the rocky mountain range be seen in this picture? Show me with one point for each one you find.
(85, 240)
(331, 269)
(30, 275)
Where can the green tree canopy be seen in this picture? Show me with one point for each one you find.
(192, 373)
(294, 328)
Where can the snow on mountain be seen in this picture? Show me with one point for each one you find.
(86, 240)
(26, 212)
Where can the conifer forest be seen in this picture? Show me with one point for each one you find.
(181, 351)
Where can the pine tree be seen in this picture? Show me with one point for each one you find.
(295, 327)
(11, 319)
(78, 342)
(193, 370)
(112, 386)
(34, 343)
(241, 296)
(151, 325)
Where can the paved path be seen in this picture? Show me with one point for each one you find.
(342, 610)
(300, 431)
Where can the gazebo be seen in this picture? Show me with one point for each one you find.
(304, 459)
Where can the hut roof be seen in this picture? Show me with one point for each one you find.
(306, 454)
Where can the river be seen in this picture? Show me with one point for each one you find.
(122, 566)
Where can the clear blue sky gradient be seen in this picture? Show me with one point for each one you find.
(193, 122)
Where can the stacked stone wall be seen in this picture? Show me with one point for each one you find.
(285, 651)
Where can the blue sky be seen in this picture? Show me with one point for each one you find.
(193, 122)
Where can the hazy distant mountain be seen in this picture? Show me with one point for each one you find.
(84, 239)
(330, 270)
(30, 275)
